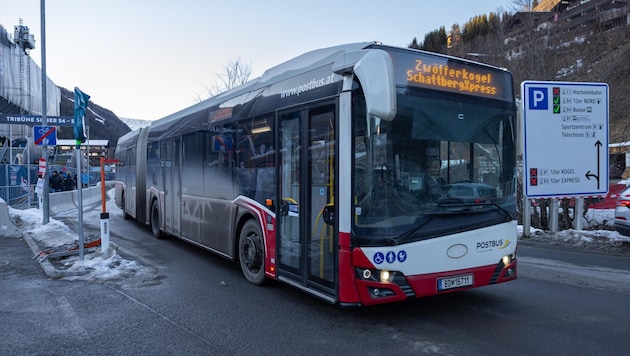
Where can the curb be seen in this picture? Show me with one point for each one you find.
(48, 268)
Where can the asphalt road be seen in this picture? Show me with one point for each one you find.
(564, 302)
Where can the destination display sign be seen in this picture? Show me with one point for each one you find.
(439, 73)
(565, 138)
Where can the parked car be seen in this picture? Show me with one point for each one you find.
(622, 212)
(469, 193)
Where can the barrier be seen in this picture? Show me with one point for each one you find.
(60, 202)
(7, 227)
(64, 201)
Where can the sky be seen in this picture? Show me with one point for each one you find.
(146, 59)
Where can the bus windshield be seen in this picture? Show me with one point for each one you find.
(444, 156)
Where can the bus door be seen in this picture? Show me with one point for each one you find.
(172, 193)
(307, 240)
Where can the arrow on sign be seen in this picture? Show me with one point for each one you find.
(589, 174)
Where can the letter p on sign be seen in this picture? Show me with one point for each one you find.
(537, 98)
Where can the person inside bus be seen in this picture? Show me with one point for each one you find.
(434, 180)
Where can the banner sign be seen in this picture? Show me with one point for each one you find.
(33, 120)
(80, 105)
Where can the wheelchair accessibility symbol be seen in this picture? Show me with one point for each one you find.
(390, 257)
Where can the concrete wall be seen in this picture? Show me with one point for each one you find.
(64, 201)
(7, 227)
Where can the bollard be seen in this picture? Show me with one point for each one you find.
(104, 233)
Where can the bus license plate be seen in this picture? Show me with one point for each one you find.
(455, 282)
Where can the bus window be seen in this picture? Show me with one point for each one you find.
(257, 158)
(192, 181)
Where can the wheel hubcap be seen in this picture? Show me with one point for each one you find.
(252, 252)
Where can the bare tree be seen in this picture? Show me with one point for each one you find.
(236, 73)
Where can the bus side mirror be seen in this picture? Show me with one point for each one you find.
(328, 214)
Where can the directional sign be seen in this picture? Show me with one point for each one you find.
(45, 135)
(566, 138)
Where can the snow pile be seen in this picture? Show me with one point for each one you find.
(95, 265)
(607, 240)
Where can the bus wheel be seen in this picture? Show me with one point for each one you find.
(125, 214)
(155, 220)
(251, 253)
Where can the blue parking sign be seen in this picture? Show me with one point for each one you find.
(538, 98)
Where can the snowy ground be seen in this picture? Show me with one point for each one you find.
(100, 267)
(593, 237)
(95, 266)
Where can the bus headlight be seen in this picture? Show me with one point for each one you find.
(382, 276)
(386, 276)
(508, 259)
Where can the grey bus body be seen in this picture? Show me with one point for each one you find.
(265, 173)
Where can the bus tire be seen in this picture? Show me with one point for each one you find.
(155, 220)
(251, 252)
(126, 215)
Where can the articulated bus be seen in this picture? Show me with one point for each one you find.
(362, 174)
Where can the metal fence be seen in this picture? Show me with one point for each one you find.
(19, 197)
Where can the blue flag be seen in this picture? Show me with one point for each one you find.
(80, 105)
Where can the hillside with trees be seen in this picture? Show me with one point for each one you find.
(103, 124)
(582, 41)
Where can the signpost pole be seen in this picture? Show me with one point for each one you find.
(80, 105)
(527, 216)
(80, 199)
(553, 216)
(46, 202)
(579, 210)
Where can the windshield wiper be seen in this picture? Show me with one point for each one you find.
(396, 240)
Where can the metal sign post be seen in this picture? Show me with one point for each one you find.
(46, 202)
(80, 105)
(80, 200)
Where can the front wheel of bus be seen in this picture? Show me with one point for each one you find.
(251, 252)
(155, 220)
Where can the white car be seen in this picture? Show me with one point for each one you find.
(469, 194)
